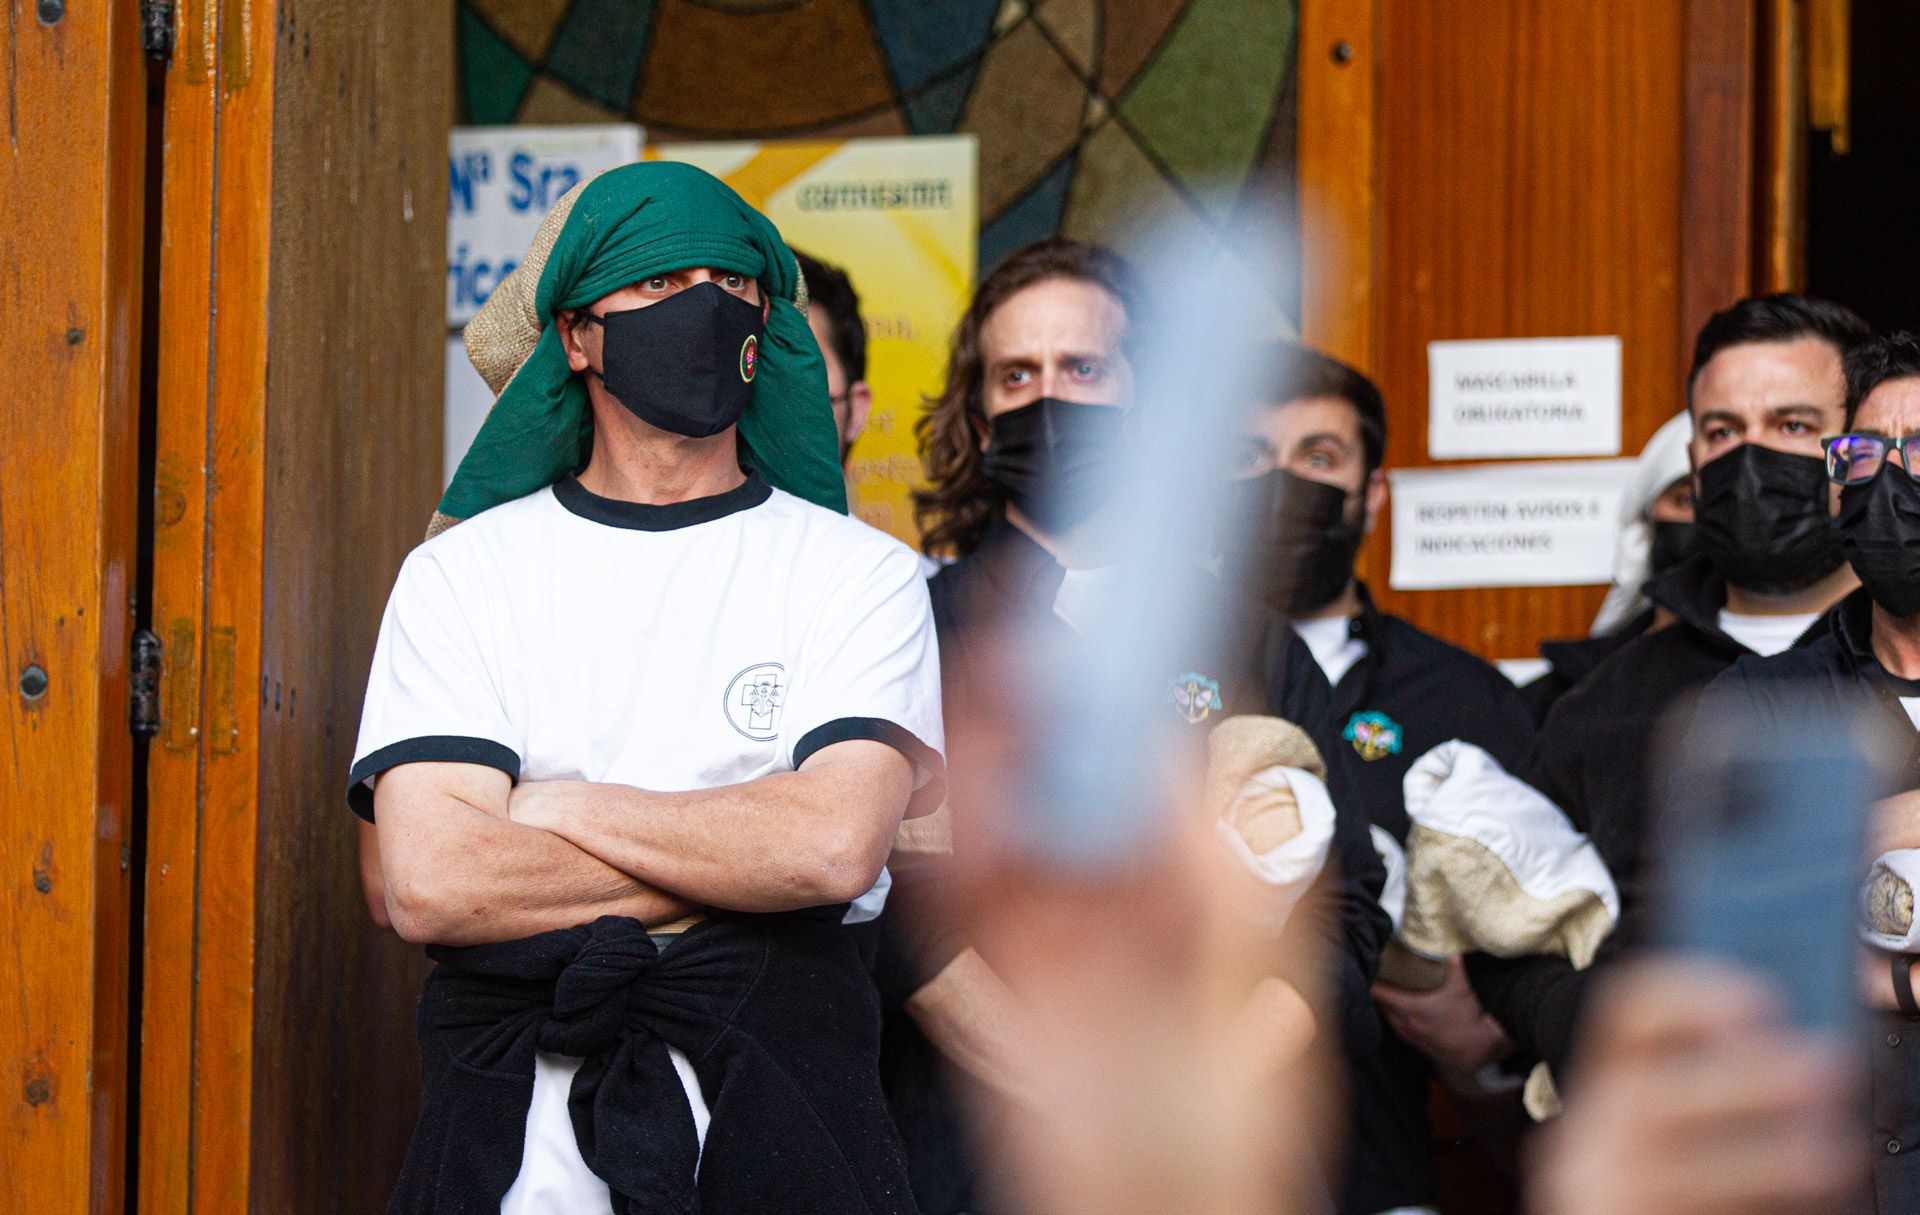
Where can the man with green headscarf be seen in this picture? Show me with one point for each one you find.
(637, 737)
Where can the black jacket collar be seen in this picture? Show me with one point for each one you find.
(1851, 626)
(1695, 592)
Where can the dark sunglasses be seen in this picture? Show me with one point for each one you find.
(1857, 458)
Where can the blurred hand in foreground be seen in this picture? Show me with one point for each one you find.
(1177, 1073)
(1694, 1097)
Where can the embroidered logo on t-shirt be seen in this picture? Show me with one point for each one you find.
(1196, 697)
(754, 699)
(1373, 734)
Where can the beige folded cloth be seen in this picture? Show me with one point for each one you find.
(1494, 867)
(1888, 902)
(1266, 797)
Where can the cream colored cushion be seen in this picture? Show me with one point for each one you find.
(1494, 867)
(1888, 902)
(1269, 805)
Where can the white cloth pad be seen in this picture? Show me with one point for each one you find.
(1492, 865)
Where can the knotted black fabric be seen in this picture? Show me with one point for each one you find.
(776, 1014)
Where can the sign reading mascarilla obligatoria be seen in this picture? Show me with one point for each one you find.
(900, 216)
(1523, 397)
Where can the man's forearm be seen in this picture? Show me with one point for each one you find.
(490, 880)
(779, 843)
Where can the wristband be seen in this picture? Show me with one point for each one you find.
(1903, 985)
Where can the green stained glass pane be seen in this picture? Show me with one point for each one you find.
(493, 76)
(1204, 104)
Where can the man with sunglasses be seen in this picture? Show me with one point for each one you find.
(1868, 650)
(1766, 384)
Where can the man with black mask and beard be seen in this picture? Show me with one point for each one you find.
(1018, 450)
(1313, 461)
(1864, 658)
(1766, 384)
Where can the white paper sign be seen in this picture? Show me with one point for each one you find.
(1534, 524)
(502, 181)
(1523, 397)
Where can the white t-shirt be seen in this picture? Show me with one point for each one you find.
(1766, 635)
(565, 636)
(1334, 646)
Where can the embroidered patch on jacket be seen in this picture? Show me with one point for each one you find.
(1196, 696)
(749, 357)
(754, 699)
(1373, 734)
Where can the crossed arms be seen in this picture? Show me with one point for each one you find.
(468, 858)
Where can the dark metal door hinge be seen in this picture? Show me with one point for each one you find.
(143, 686)
(156, 29)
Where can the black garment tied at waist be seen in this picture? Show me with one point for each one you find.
(776, 1014)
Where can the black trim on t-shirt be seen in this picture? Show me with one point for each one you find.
(432, 748)
(663, 517)
(927, 797)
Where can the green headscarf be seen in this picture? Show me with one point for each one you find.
(625, 225)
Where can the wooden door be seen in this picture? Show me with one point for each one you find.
(297, 457)
(1521, 168)
(71, 174)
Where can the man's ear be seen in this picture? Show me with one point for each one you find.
(859, 404)
(1376, 496)
(572, 339)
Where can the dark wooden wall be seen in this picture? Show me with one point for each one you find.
(356, 301)
(1520, 168)
(71, 171)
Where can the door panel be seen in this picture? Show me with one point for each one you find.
(71, 172)
(1522, 168)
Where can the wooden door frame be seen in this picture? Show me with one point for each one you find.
(203, 773)
(74, 170)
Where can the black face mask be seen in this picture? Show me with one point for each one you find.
(685, 364)
(1303, 540)
(1674, 543)
(1056, 459)
(1879, 529)
(1761, 518)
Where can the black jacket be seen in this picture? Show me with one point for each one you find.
(1831, 673)
(1593, 760)
(1569, 662)
(776, 1014)
(1010, 578)
(1410, 693)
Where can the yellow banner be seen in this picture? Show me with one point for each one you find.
(901, 217)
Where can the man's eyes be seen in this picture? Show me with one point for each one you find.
(1016, 376)
(657, 283)
(1796, 428)
(1087, 370)
(735, 282)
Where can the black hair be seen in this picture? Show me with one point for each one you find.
(829, 287)
(1302, 372)
(1775, 318)
(1875, 362)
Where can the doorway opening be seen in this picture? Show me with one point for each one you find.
(1863, 245)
